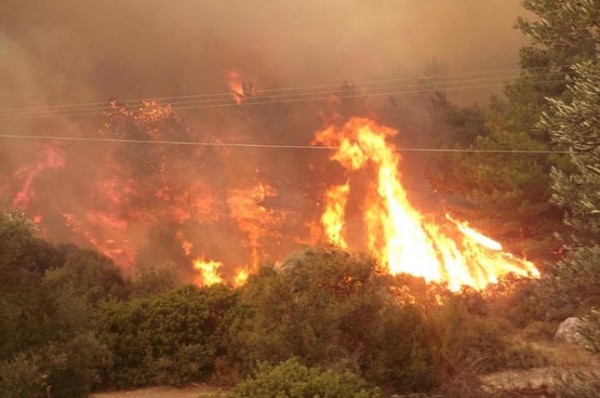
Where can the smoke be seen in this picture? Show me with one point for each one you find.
(68, 50)
(146, 203)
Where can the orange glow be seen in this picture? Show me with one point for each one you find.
(404, 239)
(50, 157)
(209, 271)
(234, 82)
(186, 245)
(258, 222)
(241, 278)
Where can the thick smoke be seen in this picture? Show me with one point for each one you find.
(68, 50)
(57, 52)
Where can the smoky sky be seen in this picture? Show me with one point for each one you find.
(71, 50)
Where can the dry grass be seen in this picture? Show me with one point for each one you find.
(565, 355)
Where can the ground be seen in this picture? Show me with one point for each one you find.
(194, 391)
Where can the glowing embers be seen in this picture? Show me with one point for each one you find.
(448, 251)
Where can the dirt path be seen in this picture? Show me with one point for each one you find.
(162, 392)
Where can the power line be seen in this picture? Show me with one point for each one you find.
(286, 101)
(227, 100)
(39, 108)
(259, 145)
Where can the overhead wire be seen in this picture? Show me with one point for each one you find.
(99, 105)
(264, 91)
(255, 93)
(260, 145)
(385, 91)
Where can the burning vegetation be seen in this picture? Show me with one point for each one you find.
(187, 195)
(406, 241)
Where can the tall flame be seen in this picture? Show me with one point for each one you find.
(397, 233)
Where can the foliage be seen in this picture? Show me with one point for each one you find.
(291, 379)
(46, 338)
(170, 338)
(90, 275)
(514, 197)
(71, 324)
(332, 308)
(576, 126)
(155, 279)
(20, 377)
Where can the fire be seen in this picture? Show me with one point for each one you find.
(241, 277)
(209, 271)
(404, 239)
(148, 198)
(235, 85)
(258, 222)
(333, 217)
(49, 157)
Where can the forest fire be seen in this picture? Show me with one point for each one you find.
(146, 207)
(405, 240)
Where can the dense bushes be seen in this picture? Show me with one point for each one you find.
(171, 338)
(70, 322)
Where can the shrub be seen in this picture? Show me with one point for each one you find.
(171, 338)
(21, 378)
(291, 379)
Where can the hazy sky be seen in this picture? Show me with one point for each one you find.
(69, 50)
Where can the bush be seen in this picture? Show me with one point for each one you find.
(291, 379)
(400, 352)
(21, 378)
(171, 338)
(319, 306)
(333, 309)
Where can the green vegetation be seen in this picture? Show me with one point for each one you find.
(71, 323)
(291, 379)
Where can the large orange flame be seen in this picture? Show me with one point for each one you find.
(398, 234)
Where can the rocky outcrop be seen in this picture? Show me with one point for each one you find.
(569, 331)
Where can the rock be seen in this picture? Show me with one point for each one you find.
(569, 331)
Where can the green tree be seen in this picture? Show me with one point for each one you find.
(575, 125)
(334, 309)
(513, 191)
(45, 336)
(90, 275)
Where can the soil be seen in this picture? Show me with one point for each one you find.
(194, 391)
